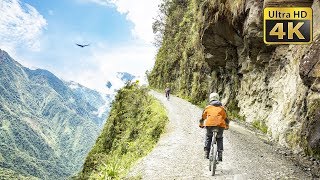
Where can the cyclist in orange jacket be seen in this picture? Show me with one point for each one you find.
(214, 116)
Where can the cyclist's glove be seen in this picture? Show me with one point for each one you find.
(201, 123)
(227, 123)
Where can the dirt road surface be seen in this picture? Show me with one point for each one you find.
(179, 153)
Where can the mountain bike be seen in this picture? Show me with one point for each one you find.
(213, 154)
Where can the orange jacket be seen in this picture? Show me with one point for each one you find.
(214, 116)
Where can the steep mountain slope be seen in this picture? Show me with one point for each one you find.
(134, 126)
(218, 46)
(46, 128)
(99, 101)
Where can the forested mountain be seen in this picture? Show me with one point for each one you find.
(47, 126)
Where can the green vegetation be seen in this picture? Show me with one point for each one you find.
(233, 111)
(260, 125)
(46, 128)
(215, 46)
(181, 60)
(26, 153)
(293, 138)
(133, 128)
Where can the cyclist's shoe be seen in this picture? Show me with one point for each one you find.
(219, 155)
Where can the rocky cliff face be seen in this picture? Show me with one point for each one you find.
(276, 87)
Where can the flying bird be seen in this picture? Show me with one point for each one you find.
(82, 45)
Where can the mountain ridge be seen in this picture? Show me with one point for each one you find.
(46, 127)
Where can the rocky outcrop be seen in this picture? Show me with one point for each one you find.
(296, 3)
(310, 74)
(277, 86)
(218, 46)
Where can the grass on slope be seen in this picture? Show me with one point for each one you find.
(133, 128)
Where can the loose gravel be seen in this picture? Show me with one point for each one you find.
(179, 153)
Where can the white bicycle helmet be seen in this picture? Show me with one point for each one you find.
(214, 96)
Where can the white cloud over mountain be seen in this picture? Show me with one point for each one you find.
(104, 63)
(20, 25)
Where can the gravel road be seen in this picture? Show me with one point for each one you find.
(179, 153)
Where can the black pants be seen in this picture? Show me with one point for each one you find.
(209, 135)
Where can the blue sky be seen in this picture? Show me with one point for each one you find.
(42, 34)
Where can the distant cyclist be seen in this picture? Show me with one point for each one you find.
(214, 116)
(167, 91)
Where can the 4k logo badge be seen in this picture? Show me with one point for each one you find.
(287, 25)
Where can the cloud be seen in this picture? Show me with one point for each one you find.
(21, 25)
(103, 62)
(140, 12)
(101, 2)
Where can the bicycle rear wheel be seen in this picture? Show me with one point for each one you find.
(213, 154)
(210, 159)
(214, 158)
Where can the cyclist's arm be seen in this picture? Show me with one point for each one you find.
(204, 114)
(203, 117)
(224, 114)
(226, 119)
